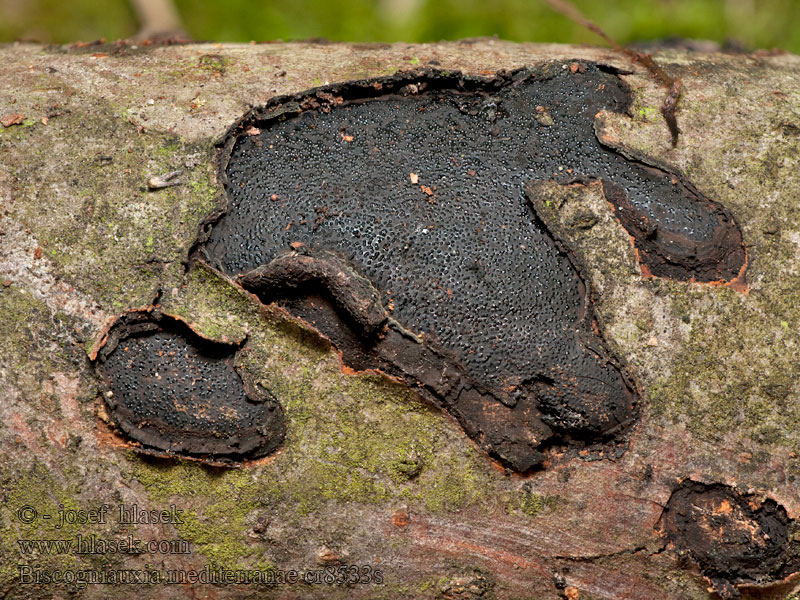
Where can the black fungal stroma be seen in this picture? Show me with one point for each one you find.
(391, 214)
(177, 393)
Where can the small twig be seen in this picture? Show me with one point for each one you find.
(163, 181)
(157, 19)
(668, 109)
(571, 11)
(674, 85)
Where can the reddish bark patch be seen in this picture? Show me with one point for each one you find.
(13, 119)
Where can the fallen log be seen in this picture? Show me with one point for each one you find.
(495, 336)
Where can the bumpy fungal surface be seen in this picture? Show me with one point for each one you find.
(734, 538)
(179, 394)
(392, 215)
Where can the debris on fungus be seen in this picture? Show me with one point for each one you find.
(734, 538)
(179, 394)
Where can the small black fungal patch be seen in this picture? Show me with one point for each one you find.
(392, 215)
(182, 395)
(734, 538)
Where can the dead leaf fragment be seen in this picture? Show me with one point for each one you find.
(253, 131)
(347, 138)
(140, 129)
(414, 178)
(37, 254)
(14, 119)
(400, 519)
(426, 189)
(571, 593)
(326, 556)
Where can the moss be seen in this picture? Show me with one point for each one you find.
(297, 484)
(322, 482)
(17, 133)
(366, 440)
(531, 504)
(22, 311)
(721, 364)
(35, 495)
(215, 308)
(355, 440)
(32, 338)
(106, 234)
(216, 504)
(731, 378)
(170, 147)
(350, 439)
(734, 373)
(646, 113)
(215, 63)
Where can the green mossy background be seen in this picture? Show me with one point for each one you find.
(764, 24)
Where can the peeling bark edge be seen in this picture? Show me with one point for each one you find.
(157, 438)
(730, 269)
(588, 318)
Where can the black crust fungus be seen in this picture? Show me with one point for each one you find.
(734, 538)
(391, 214)
(179, 394)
